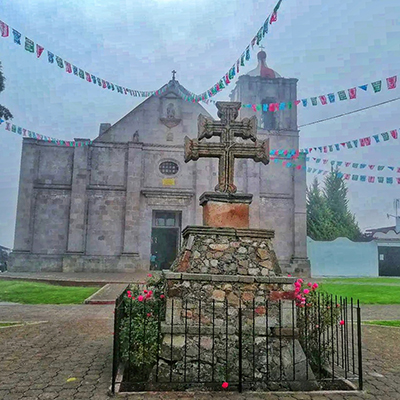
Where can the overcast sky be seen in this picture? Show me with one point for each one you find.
(328, 45)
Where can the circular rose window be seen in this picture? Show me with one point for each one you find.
(169, 168)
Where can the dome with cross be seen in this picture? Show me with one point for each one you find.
(262, 69)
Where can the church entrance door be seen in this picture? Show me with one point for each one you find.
(165, 238)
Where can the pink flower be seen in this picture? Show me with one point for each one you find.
(315, 286)
(341, 322)
(150, 292)
(145, 291)
(317, 326)
(297, 284)
(149, 275)
(140, 298)
(289, 275)
(297, 290)
(306, 291)
(300, 280)
(225, 385)
(129, 293)
(149, 314)
(162, 296)
(309, 284)
(303, 299)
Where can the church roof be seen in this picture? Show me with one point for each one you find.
(262, 69)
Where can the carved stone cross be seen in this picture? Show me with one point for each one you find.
(228, 148)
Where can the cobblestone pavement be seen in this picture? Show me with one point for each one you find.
(76, 342)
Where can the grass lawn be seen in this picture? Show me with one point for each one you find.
(384, 323)
(43, 293)
(367, 290)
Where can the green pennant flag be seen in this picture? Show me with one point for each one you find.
(385, 136)
(242, 60)
(221, 84)
(277, 6)
(259, 36)
(13, 128)
(289, 105)
(82, 74)
(342, 95)
(314, 101)
(258, 107)
(29, 45)
(60, 62)
(377, 86)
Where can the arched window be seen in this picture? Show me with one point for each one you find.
(268, 120)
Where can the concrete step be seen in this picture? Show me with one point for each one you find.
(107, 294)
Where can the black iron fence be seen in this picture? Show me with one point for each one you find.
(174, 344)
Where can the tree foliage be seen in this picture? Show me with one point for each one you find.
(328, 214)
(4, 112)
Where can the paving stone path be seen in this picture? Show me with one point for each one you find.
(76, 342)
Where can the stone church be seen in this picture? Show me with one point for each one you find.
(113, 204)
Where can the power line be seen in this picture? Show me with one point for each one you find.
(350, 112)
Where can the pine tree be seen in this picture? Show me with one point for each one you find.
(4, 112)
(320, 225)
(335, 194)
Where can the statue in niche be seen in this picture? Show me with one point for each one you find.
(135, 138)
(170, 111)
(170, 136)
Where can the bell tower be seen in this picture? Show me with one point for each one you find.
(279, 200)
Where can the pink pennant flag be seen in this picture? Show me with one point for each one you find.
(310, 149)
(323, 99)
(39, 50)
(237, 66)
(298, 167)
(367, 141)
(324, 161)
(394, 134)
(371, 166)
(68, 67)
(371, 179)
(347, 164)
(8, 126)
(297, 102)
(105, 84)
(347, 176)
(88, 77)
(253, 106)
(274, 17)
(4, 29)
(343, 144)
(325, 149)
(284, 163)
(398, 180)
(391, 82)
(398, 170)
(253, 42)
(23, 132)
(352, 93)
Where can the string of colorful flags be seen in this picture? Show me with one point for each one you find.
(286, 154)
(30, 134)
(355, 143)
(391, 83)
(348, 164)
(354, 177)
(52, 58)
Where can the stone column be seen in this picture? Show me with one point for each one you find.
(28, 173)
(76, 229)
(253, 186)
(132, 209)
(300, 262)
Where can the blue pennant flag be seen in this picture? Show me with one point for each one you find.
(364, 87)
(304, 101)
(331, 97)
(389, 180)
(363, 165)
(337, 147)
(1, 121)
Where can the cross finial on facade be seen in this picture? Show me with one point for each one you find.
(173, 74)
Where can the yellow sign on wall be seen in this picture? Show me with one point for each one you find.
(168, 182)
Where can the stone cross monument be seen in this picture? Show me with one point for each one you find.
(225, 265)
(227, 149)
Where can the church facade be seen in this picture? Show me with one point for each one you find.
(120, 203)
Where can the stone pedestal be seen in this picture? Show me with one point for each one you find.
(225, 209)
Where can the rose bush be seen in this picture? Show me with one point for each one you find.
(144, 306)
